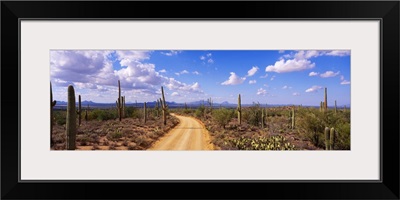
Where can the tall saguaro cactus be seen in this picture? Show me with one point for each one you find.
(327, 138)
(145, 112)
(262, 118)
(239, 109)
(79, 111)
(119, 101)
(321, 106)
(157, 107)
(326, 100)
(293, 118)
(123, 106)
(52, 104)
(332, 139)
(71, 119)
(164, 106)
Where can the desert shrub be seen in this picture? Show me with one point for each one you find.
(261, 143)
(223, 116)
(252, 115)
(59, 117)
(312, 124)
(102, 114)
(342, 140)
(199, 112)
(115, 135)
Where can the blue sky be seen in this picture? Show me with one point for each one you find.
(264, 76)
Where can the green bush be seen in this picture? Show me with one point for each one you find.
(59, 117)
(252, 115)
(223, 116)
(199, 112)
(102, 114)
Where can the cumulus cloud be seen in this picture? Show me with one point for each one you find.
(314, 88)
(196, 72)
(338, 53)
(233, 80)
(300, 60)
(272, 78)
(182, 72)
(296, 94)
(329, 74)
(202, 57)
(343, 81)
(175, 94)
(171, 53)
(252, 81)
(283, 66)
(265, 76)
(261, 92)
(93, 71)
(207, 58)
(211, 61)
(313, 74)
(286, 87)
(252, 71)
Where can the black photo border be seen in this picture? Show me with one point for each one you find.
(385, 11)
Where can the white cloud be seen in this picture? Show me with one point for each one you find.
(344, 82)
(196, 72)
(252, 81)
(211, 61)
(286, 87)
(93, 72)
(272, 78)
(202, 57)
(266, 85)
(252, 71)
(314, 88)
(233, 80)
(209, 55)
(261, 92)
(283, 66)
(171, 53)
(296, 94)
(313, 74)
(328, 74)
(265, 76)
(338, 53)
(175, 94)
(182, 72)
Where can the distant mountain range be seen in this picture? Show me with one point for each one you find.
(171, 104)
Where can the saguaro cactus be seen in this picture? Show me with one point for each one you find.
(332, 139)
(123, 106)
(326, 138)
(239, 109)
(157, 107)
(262, 118)
(326, 100)
(321, 106)
(119, 102)
(293, 118)
(164, 106)
(79, 111)
(71, 119)
(52, 104)
(145, 112)
(335, 107)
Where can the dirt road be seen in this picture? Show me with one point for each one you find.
(189, 134)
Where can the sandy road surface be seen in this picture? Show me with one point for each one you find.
(189, 134)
